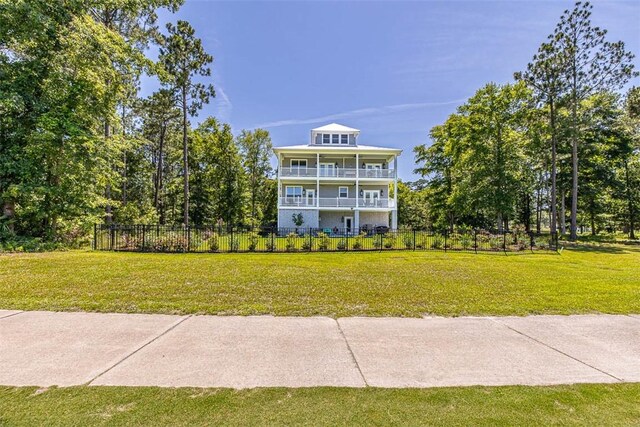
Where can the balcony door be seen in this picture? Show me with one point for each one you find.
(311, 197)
(371, 198)
(298, 167)
(328, 169)
(373, 170)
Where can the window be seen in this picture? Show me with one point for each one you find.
(343, 192)
(299, 163)
(335, 138)
(326, 138)
(293, 191)
(344, 139)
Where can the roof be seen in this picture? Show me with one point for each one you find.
(336, 148)
(335, 127)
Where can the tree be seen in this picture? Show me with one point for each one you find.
(256, 148)
(590, 64)
(183, 58)
(413, 208)
(160, 112)
(220, 182)
(135, 23)
(544, 75)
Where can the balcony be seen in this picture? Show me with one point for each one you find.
(336, 202)
(349, 173)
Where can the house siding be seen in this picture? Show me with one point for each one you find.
(310, 217)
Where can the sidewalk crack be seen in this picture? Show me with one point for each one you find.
(353, 356)
(557, 350)
(11, 315)
(145, 344)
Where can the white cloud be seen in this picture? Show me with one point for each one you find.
(361, 112)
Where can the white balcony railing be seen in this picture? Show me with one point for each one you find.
(337, 173)
(335, 202)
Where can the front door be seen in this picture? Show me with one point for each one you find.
(348, 224)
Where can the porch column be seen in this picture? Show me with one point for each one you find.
(356, 218)
(318, 181)
(394, 213)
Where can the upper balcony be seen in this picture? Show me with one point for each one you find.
(336, 202)
(345, 173)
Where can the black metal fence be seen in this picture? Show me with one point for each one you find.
(163, 238)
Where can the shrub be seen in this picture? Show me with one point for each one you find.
(271, 243)
(308, 244)
(234, 243)
(466, 241)
(437, 242)
(214, 242)
(377, 241)
(389, 242)
(253, 241)
(342, 245)
(407, 239)
(358, 240)
(291, 242)
(323, 241)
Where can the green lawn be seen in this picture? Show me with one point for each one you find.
(609, 405)
(583, 279)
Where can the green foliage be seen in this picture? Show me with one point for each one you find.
(253, 241)
(297, 219)
(323, 241)
(292, 238)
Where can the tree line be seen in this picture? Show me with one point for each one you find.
(558, 148)
(80, 145)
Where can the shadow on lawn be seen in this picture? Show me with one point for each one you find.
(600, 248)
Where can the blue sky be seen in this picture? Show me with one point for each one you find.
(392, 69)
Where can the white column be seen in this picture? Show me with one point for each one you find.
(356, 218)
(394, 212)
(318, 180)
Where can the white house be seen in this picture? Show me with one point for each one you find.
(337, 183)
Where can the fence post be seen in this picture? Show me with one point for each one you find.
(273, 243)
(475, 240)
(112, 237)
(414, 239)
(445, 239)
(144, 238)
(188, 238)
(231, 240)
(95, 236)
(504, 242)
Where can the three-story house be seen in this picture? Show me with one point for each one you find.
(337, 184)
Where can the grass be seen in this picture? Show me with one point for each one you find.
(558, 405)
(582, 279)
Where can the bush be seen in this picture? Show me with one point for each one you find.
(234, 243)
(466, 241)
(342, 245)
(214, 242)
(407, 239)
(389, 242)
(253, 241)
(437, 242)
(323, 241)
(271, 243)
(358, 240)
(291, 242)
(308, 244)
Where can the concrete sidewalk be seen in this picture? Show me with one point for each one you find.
(45, 348)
